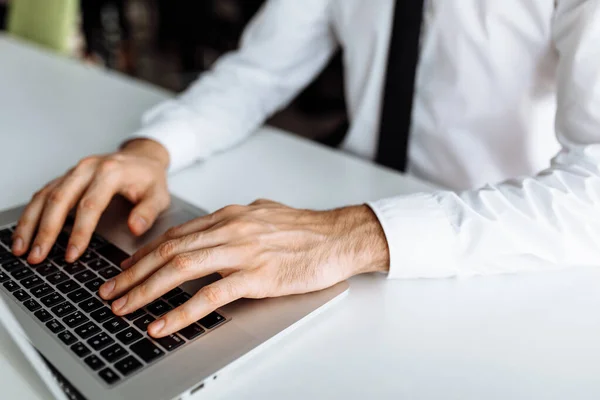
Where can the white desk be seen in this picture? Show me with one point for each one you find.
(529, 336)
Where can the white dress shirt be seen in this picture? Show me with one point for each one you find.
(498, 83)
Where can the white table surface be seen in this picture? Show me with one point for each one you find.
(527, 336)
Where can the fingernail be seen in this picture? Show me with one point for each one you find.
(158, 326)
(107, 288)
(37, 251)
(118, 304)
(17, 244)
(72, 253)
(140, 223)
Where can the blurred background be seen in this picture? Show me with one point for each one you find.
(169, 43)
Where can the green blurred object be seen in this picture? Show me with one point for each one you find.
(49, 23)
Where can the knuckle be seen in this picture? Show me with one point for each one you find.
(44, 233)
(86, 162)
(128, 275)
(182, 315)
(108, 166)
(88, 204)
(182, 262)
(56, 196)
(213, 295)
(240, 224)
(167, 249)
(231, 209)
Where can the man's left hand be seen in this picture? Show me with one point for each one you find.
(262, 250)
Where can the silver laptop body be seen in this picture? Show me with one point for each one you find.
(197, 365)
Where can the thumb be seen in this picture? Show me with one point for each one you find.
(144, 214)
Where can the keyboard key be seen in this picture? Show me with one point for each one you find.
(75, 268)
(3, 277)
(43, 315)
(80, 349)
(41, 291)
(84, 276)
(46, 269)
(67, 337)
(102, 314)
(109, 272)
(22, 273)
(6, 256)
(61, 262)
(87, 330)
(52, 299)
(56, 251)
(88, 256)
(32, 281)
(113, 353)
(67, 286)
(191, 332)
(170, 342)
(143, 322)
(94, 362)
(179, 299)
(11, 265)
(21, 295)
(96, 241)
(128, 336)
(90, 304)
(158, 308)
(97, 264)
(100, 341)
(109, 376)
(57, 278)
(94, 285)
(79, 295)
(212, 320)
(75, 319)
(55, 326)
(172, 293)
(128, 365)
(112, 253)
(136, 314)
(115, 325)
(63, 309)
(146, 350)
(32, 305)
(11, 286)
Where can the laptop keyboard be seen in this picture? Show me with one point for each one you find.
(64, 298)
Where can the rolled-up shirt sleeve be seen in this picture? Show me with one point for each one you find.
(548, 221)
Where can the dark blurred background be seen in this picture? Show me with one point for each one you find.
(170, 42)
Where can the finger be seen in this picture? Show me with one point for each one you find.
(195, 225)
(89, 210)
(58, 203)
(208, 299)
(144, 214)
(29, 220)
(162, 255)
(180, 269)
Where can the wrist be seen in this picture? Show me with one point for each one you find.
(366, 239)
(147, 148)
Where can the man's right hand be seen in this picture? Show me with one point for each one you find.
(137, 171)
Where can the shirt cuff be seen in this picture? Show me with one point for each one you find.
(421, 241)
(177, 137)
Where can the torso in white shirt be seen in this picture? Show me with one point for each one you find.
(485, 95)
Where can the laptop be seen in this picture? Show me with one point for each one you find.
(82, 351)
